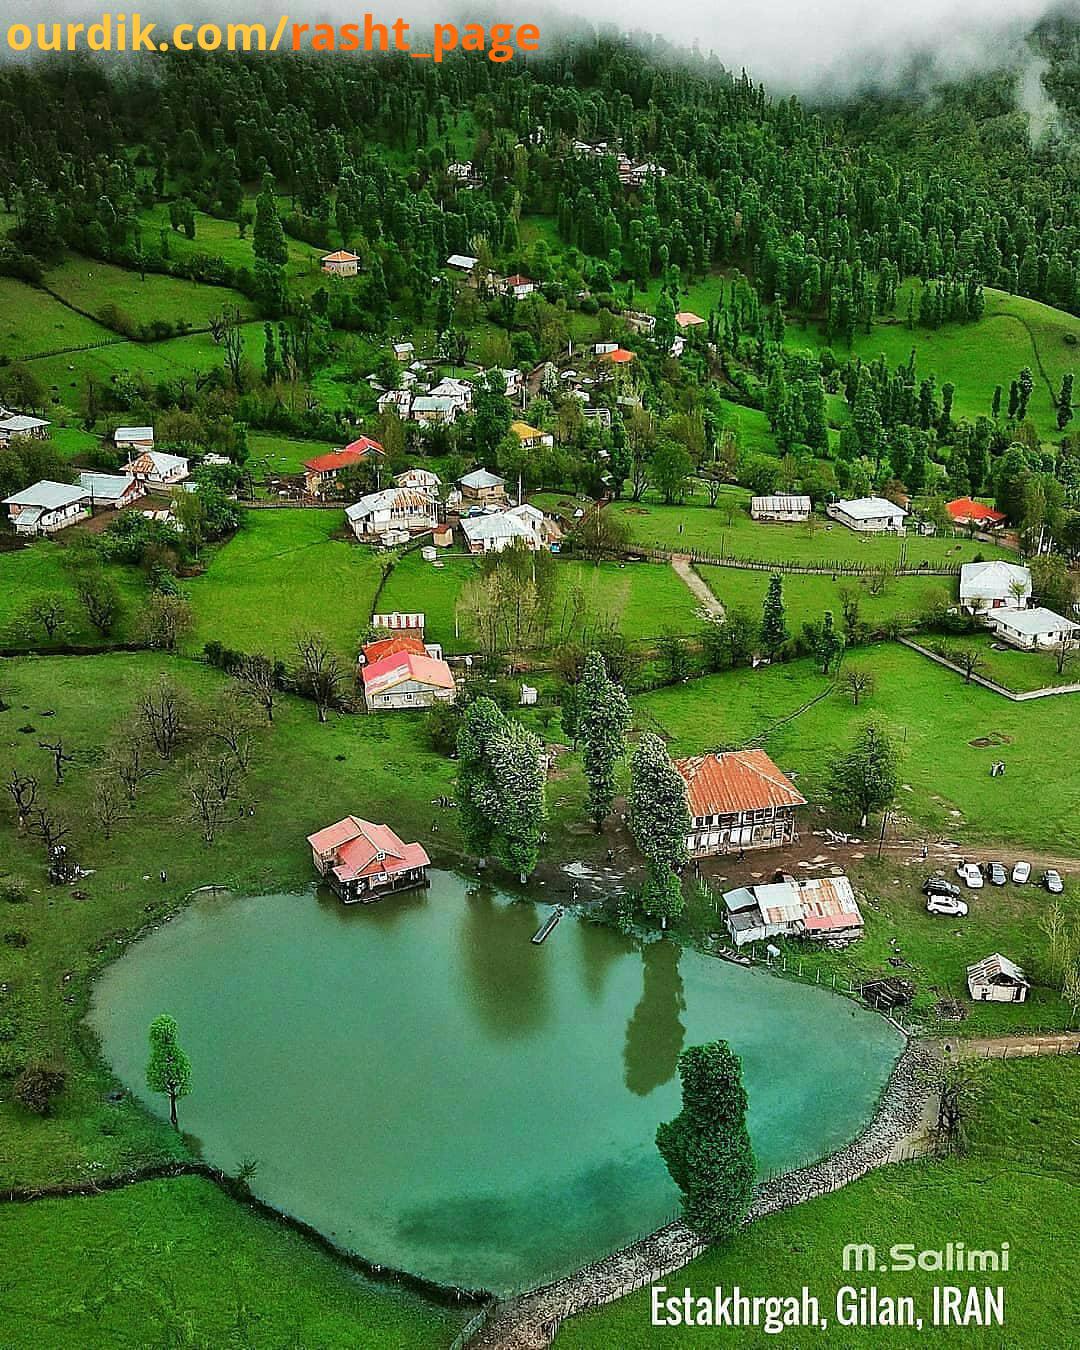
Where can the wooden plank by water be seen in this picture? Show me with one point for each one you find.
(549, 925)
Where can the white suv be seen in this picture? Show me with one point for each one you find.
(945, 904)
(970, 874)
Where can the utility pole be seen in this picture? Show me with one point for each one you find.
(881, 837)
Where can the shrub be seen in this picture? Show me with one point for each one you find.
(37, 1087)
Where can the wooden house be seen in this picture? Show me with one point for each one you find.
(110, 491)
(155, 469)
(738, 799)
(362, 861)
(818, 908)
(481, 488)
(393, 508)
(996, 979)
(18, 424)
(321, 472)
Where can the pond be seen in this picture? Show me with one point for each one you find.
(424, 1085)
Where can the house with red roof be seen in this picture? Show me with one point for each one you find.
(738, 799)
(320, 472)
(619, 356)
(405, 678)
(362, 861)
(342, 263)
(967, 511)
(518, 286)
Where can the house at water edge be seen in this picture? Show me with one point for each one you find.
(362, 861)
(738, 799)
(822, 909)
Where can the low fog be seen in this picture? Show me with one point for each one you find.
(818, 46)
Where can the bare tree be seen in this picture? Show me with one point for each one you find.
(49, 612)
(958, 1082)
(969, 660)
(23, 789)
(230, 727)
(60, 757)
(163, 716)
(858, 683)
(257, 682)
(1064, 651)
(319, 673)
(212, 785)
(110, 803)
(128, 763)
(50, 828)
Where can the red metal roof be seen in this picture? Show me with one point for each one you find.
(342, 255)
(738, 780)
(620, 356)
(965, 509)
(391, 646)
(383, 675)
(363, 848)
(353, 453)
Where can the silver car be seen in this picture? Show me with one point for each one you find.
(1021, 873)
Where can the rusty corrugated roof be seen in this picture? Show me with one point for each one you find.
(734, 781)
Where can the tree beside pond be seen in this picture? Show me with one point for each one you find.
(659, 821)
(602, 721)
(500, 787)
(707, 1146)
(168, 1069)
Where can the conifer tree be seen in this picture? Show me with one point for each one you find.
(773, 628)
(603, 719)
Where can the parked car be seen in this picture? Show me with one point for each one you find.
(1052, 881)
(971, 875)
(937, 885)
(996, 874)
(947, 905)
(1021, 873)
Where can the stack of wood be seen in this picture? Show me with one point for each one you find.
(888, 992)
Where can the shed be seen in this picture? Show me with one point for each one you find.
(996, 979)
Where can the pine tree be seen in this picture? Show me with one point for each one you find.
(1065, 402)
(707, 1146)
(659, 820)
(603, 719)
(773, 628)
(267, 236)
(827, 642)
(864, 779)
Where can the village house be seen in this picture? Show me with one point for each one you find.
(465, 174)
(617, 356)
(639, 321)
(399, 622)
(738, 799)
(110, 491)
(530, 437)
(134, 440)
(407, 679)
(869, 515)
(481, 488)
(461, 262)
(362, 861)
(517, 286)
(405, 508)
(996, 979)
(599, 349)
(155, 469)
(428, 409)
(994, 585)
(965, 511)
(320, 473)
(1032, 629)
(396, 643)
(514, 388)
(460, 392)
(18, 424)
(784, 506)
(819, 908)
(404, 351)
(688, 319)
(399, 400)
(425, 480)
(47, 507)
(341, 264)
(492, 533)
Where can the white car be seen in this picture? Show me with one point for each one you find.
(970, 875)
(945, 904)
(1021, 873)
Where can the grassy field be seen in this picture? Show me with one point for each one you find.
(643, 600)
(38, 570)
(270, 454)
(1016, 670)
(933, 716)
(1014, 332)
(807, 597)
(221, 239)
(179, 1263)
(90, 285)
(286, 572)
(31, 321)
(727, 529)
(983, 1200)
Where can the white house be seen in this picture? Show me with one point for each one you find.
(155, 469)
(493, 533)
(392, 508)
(784, 506)
(426, 480)
(111, 491)
(18, 424)
(47, 507)
(135, 440)
(407, 680)
(518, 286)
(996, 979)
(531, 438)
(400, 400)
(1032, 629)
(461, 262)
(994, 585)
(341, 264)
(404, 351)
(459, 392)
(869, 515)
(819, 908)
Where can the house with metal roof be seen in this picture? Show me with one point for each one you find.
(996, 979)
(405, 508)
(155, 469)
(1032, 629)
(482, 488)
(461, 262)
(320, 473)
(738, 799)
(784, 506)
(819, 908)
(341, 263)
(111, 491)
(429, 408)
(492, 533)
(405, 679)
(869, 515)
(19, 424)
(531, 438)
(994, 585)
(967, 511)
(362, 861)
(134, 440)
(47, 507)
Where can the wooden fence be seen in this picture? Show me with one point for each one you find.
(840, 567)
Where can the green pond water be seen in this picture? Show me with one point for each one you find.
(421, 1083)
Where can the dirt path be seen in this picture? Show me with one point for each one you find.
(685, 570)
